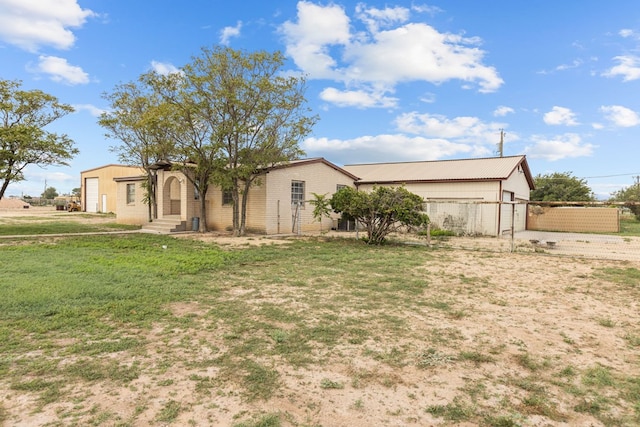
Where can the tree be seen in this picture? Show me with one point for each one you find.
(50, 193)
(24, 114)
(321, 207)
(256, 113)
(631, 195)
(135, 119)
(76, 192)
(195, 149)
(382, 211)
(561, 186)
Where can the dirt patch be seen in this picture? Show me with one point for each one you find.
(521, 324)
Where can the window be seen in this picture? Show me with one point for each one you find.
(339, 187)
(131, 194)
(227, 197)
(297, 192)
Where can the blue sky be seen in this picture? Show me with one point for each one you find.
(390, 81)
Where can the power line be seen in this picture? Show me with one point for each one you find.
(610, 176)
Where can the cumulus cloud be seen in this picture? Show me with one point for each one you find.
(326, 44)
(30, 24)
(560, 116)
(560, 147)
(91, 109)
(164, 68)
(59, 70)
(391, 147)
(356, 98)
(469, 130)
(228, 32)
(628, 67)
(502, 111)
(418, 137)
(620, 116)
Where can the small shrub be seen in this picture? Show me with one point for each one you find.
(329, 384)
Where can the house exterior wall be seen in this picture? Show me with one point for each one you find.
(136, 212)
(269, 209)
(106, 185)
(319, 178)
(220, 216)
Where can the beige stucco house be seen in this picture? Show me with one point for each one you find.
(271, 205)
(463, 195)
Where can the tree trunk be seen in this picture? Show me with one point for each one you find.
(245, 198)
(5, 184)
(203, 210)
(151, 193)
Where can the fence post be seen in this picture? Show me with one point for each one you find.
(513, 228)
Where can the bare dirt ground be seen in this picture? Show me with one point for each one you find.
(553, 309)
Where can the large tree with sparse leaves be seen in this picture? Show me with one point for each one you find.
(24, 139)
(235, 114)
(258, 115)
(136, 119)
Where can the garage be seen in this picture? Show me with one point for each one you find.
(91, 194)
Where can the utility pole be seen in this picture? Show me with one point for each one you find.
(501, 144)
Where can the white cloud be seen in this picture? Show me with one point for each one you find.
(470, 130)
(502, 111)
(227, 32)
(357, 98)
(569, 145)
(626, 33)
(59, 70)
(560, 116)
(396, 147)
(628, 67)
(309, 40)
(91, 109)
(164, 68)
(30, 24)
(375, 18)
(620, 116)
(325, 44)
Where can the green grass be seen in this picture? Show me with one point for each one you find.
(629, 226)
(108, 311)
(59, 227)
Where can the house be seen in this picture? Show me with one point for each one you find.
(464, 195)
(98, 189)
(278, 204)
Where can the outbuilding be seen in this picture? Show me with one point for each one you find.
(484, 196)
(98, 188)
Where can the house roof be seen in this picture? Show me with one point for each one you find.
(301, 162)
(112, 165)
(484, 169)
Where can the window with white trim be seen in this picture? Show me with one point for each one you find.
(297, 193)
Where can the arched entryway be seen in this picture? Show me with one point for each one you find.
(171, 196)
